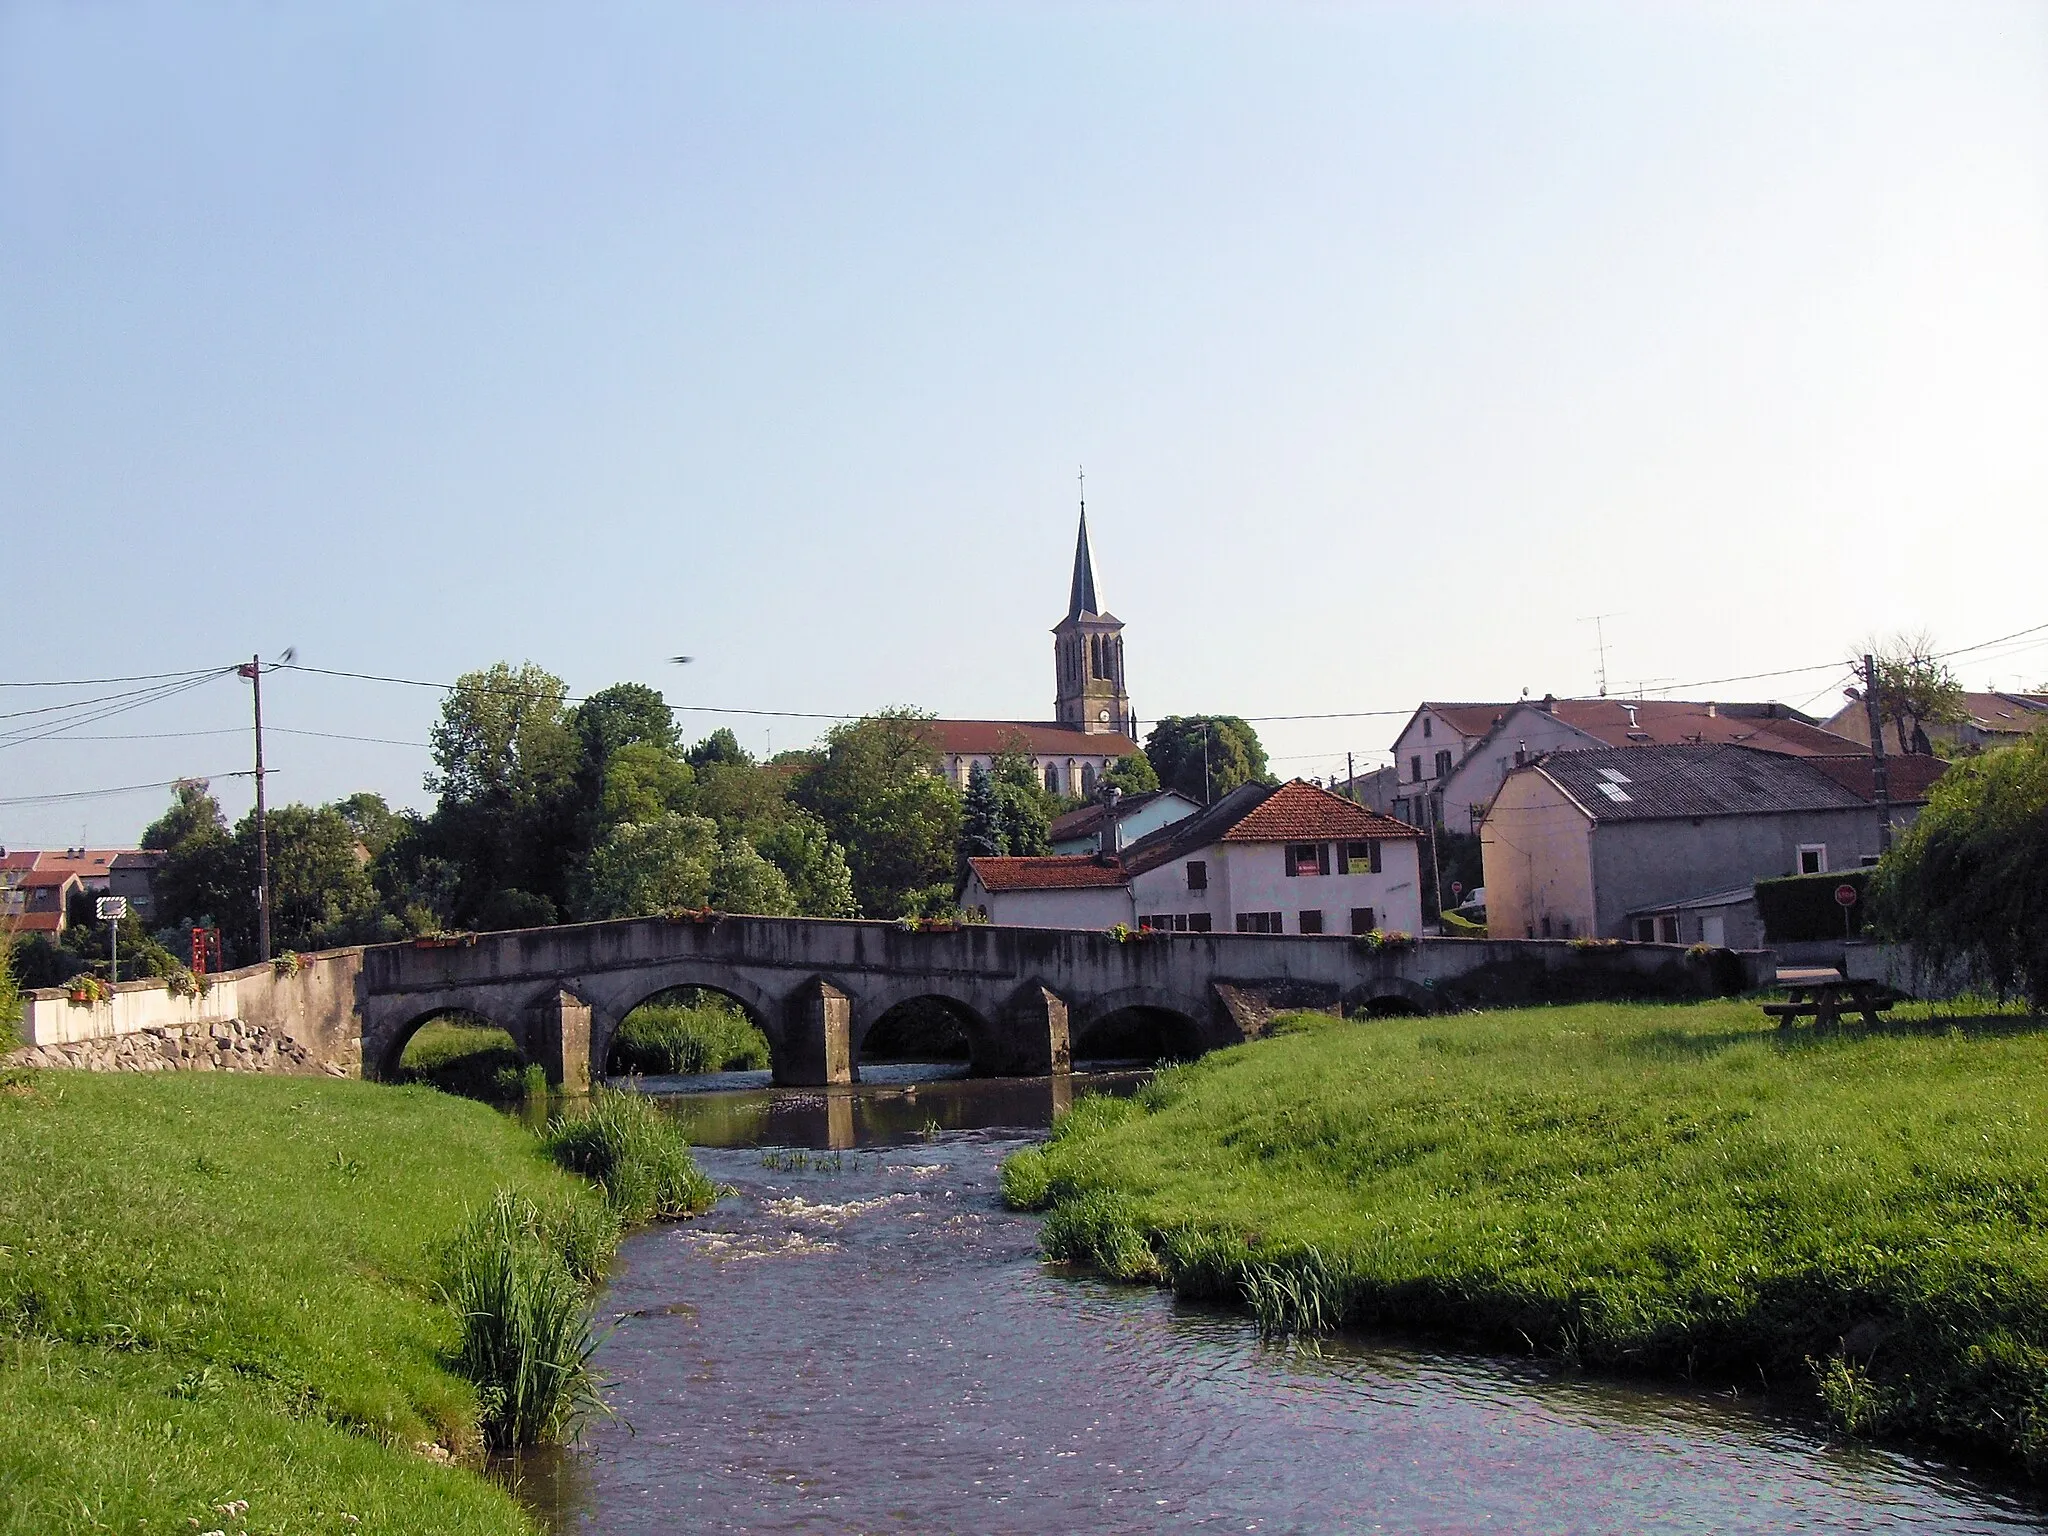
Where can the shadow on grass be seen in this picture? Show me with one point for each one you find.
(1676, 1043)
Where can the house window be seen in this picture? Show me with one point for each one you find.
(1426, 724)
(1359, 858)
(1259, 922)
(1174, 922)
(1198, 922)
(1813, 858)
(1415, 768)
(1443, 763)
(1311, 922)
(1308, 858)
(1646, 930)
(1667, 928)
(1401, 809)
(1198, 874)
(1362, 920)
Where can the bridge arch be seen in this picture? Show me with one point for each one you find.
(389, 1053)
(972, 1028)
(1144, 1022)
(613, 997)
(1386, 996)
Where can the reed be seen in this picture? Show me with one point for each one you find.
(637, 1153)
(527, 1336)
(688, 1038)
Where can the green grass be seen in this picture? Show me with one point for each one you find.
(704, 1034)
(219, 1288)
(473, 1060)
(637, 1153)
(1859, 1218)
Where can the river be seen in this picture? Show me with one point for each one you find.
(862, 1339)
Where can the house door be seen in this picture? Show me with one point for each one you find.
(1714, 930)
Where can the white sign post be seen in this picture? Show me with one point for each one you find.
(110, 910)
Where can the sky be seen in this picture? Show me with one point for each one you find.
(1398, 342)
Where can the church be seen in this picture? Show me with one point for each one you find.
(1092, 725)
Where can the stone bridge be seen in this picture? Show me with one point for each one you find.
(1022, 996)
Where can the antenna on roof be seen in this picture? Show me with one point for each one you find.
(1597, 620)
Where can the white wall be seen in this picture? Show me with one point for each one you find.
(1536, 847)
(1252, 877)
(1097, 907)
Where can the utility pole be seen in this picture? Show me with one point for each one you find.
(1205, 762)
(1880, 776)
(254, 672)
(1350, 779)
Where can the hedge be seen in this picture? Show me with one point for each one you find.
(1798, 909)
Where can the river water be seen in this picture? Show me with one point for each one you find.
(863, 1339)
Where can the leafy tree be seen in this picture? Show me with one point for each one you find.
(1177, 746)
(981, 823)
(507, 765)
(743, 881)
(640, 782)
(320, 888)
(1024, 807)
(646, 867)
(371, 819)
(879, 794)
(1915, 689)
(720, 747)
(625, 714)
(200, 882)
(811, 862)
(739, 795)
(1134, 775)
(1968, 881)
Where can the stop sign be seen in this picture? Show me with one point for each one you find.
(1845, 895)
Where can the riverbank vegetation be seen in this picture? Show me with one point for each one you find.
(298, 1293)
(688, 1031)
(471, 1057)
(1859, 1218)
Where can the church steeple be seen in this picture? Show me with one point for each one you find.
(1088, 654)
(1082, 599)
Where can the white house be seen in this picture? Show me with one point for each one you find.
(1134, 816)
(1291, 859)
(1056, 890)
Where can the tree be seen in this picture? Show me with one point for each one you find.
(1025, 809)
(200, 883)
(811, 862)
(507, 768)
(981, 823)
(879, 794)
(646, 867)
(320, 887)
(625, 714)
(640, 782)
(1134, 775)
(743, 881)
(1179, 745)
(721, 746)
(1967, 883)
(1915, 689)
(371, 819)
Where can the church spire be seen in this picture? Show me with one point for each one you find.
(1082, 600)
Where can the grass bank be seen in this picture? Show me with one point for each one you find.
(1861, 1219)
(221, 1289)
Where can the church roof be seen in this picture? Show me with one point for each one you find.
(985, 738)
(1082, 599)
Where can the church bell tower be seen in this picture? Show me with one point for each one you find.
(1088, 655)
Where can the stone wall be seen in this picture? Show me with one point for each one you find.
(222, 1046)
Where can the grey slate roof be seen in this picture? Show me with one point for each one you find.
(1197, 831)
(1652, 783)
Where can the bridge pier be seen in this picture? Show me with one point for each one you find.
(1033, 1041)
(817, 1038)
(558, 1037)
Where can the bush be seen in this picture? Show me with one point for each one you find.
(474, 1059)
(636, 1152)
(10, 995)
(526, 1324)
(704, 1033)
(1801, 909)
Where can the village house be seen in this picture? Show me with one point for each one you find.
(1662, 843)
(1456, 787)
(1263, 859)
(35, 882)
(1989, 720)
(1101, 827)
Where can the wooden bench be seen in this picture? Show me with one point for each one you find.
(1824, 996)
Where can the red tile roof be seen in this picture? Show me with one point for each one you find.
(1300, 812)
(1682, 722)
(1907, 779)
(34, 922)
(38, 878)
(1047, 872)
(985, 738)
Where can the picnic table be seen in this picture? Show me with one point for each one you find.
(1825, 995)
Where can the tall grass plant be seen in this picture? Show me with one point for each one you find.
(637, 1153)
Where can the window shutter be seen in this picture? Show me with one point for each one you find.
(1287, 857)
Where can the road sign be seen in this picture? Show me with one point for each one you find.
(1457, 887)
(1845, 895)
(111, 909)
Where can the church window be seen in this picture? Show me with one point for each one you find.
(1052, 778)
(1087, 778)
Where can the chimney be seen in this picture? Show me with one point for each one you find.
(1549, 704)
(1713, 710)
(1521, 753)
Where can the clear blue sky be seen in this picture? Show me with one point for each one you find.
(1397, 340)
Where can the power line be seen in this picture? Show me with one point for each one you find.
(94, 682)
(126, 789)
(43, 730)
(548, 693)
